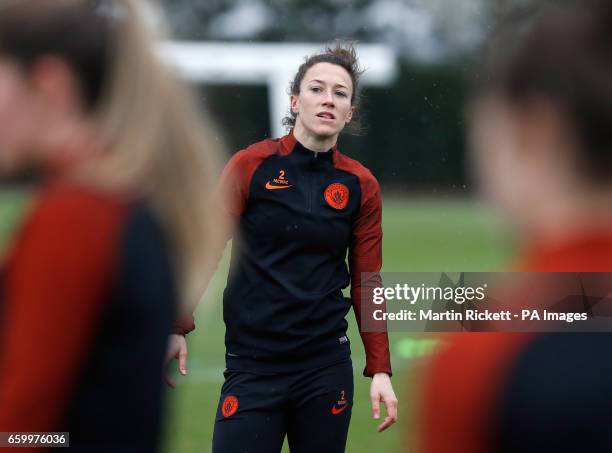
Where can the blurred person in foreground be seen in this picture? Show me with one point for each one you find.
(542, 139)
(115, 242)
(300, 206)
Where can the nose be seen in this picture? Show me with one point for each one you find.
(329, 99)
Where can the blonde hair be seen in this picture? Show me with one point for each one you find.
(158, 143)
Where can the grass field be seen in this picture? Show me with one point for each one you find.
(419, 235)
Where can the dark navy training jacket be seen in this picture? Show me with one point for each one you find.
(297, 214)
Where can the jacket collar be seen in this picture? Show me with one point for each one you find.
(290, 144)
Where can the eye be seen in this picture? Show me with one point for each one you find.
(316, 89)
(341, 94)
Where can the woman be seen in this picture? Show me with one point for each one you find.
(114, 244)
(542, 140)
(299, 205)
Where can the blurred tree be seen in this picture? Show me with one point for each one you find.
(430, 30)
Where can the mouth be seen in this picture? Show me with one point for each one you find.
(326, 115)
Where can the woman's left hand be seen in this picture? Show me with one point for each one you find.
(381, 390)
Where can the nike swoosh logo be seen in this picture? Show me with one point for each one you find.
(337, 410)
(271, 187)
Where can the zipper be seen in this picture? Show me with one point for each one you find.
(311, 179)
(310, 184)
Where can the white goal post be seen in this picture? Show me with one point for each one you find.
(271, 64)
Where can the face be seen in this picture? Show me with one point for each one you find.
(40, 113)
(323, 105)
(522, 158)
(18, 119)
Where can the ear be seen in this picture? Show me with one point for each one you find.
(294, 102)
(349, 115)
(56, 83)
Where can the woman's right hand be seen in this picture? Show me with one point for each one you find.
(177, 349)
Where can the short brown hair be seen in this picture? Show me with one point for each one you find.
(343, 54)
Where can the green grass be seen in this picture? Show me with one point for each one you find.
(419, 235)
(13, 205)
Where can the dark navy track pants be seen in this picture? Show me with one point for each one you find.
(311, 407)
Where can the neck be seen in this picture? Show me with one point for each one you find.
(311, 141)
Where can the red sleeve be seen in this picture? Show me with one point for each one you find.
(462, 389)
(57, 281)
(184, 324)
(233, 189)
(232, 197)
(365, 256)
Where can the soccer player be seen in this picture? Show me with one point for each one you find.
(299, 206)
(542, 136)
(114, 241)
